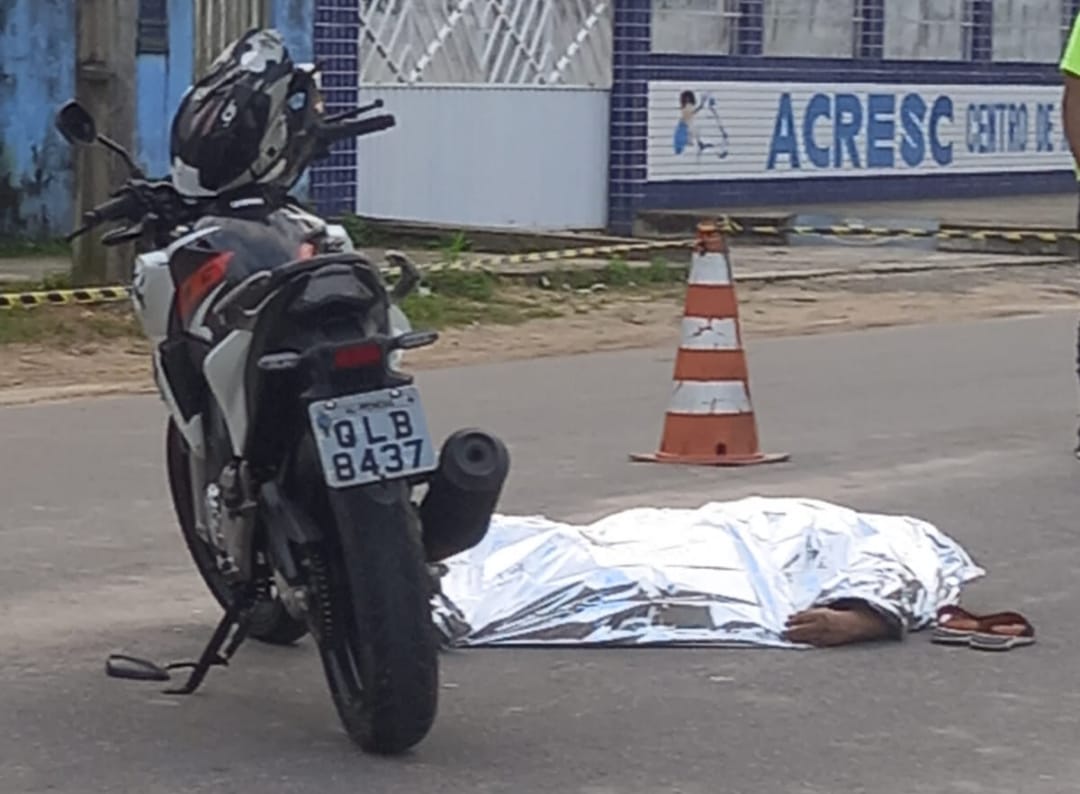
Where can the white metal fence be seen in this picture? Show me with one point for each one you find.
(219, 22)
(516, 42)
(509, 156)
(502, 109)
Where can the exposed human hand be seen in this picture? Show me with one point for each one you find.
(824, 627)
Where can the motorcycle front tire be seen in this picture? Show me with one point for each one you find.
(271, 622)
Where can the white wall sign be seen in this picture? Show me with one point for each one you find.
(743, 130)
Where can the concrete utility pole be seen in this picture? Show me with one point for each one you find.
(105, 84)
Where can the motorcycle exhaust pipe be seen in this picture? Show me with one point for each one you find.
(462, 495)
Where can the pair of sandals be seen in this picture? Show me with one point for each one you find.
(1000, 631)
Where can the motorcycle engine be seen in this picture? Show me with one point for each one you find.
(230, 518)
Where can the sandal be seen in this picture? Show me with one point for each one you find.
(1003, 631)
(955, 626)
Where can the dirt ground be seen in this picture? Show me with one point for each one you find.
(611, 320)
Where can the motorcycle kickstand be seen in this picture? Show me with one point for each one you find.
(236, 620)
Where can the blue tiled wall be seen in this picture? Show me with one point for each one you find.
(337, 45)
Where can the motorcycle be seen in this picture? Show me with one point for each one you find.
(295, 447)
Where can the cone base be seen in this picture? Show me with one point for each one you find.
(756, 459)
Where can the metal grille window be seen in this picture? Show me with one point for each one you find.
(926, 30)
(695, 27)
(869, 29)
(809, 28)
(1027, 31)
(978, 30)
(152, 37)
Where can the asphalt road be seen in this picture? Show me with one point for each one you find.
(968, 426)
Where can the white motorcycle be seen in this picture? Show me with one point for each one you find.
(294, 444)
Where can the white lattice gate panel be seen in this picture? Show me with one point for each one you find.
(504, 42)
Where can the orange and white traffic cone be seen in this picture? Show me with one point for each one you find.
(710, 419)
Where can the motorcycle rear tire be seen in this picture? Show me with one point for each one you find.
(271, 622)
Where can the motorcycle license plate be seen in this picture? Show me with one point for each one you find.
(374, 436)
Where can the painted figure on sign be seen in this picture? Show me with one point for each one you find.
(688, 133)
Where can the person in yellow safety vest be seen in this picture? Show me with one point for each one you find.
(1070, 116)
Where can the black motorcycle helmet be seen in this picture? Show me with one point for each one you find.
(235, 128)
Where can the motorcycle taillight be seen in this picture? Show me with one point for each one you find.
(365, 354)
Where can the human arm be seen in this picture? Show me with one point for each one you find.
(1070, 99)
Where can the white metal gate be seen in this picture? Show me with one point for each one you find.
(219, 22)
(504, 42)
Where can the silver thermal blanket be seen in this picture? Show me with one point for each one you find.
(728, 573)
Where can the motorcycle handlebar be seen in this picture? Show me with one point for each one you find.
(130, 204)
(123, 206)
(354, 129)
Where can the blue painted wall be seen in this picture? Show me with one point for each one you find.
(37, 74)
(151, 113)
(160, 83)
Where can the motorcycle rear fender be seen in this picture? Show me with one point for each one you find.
(354, 509)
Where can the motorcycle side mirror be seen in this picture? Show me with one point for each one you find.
(76, 124)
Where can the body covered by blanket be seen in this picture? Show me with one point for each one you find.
(729, 573)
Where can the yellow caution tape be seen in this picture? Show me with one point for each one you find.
(487, 263)
(1011, 235)
(91, 295)
(61, 297)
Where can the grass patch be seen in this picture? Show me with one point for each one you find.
(68, 327)
(660, 271)
(471, 285)
(17, 248)
(456, 298)
(438, 311)
(620, 275)
(364, 235)
(453, 247)
(466, 301)
(53, 281)
(447, 299)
